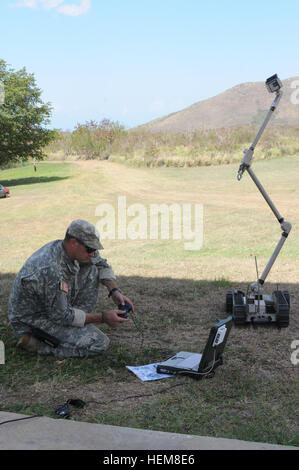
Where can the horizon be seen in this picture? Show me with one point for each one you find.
(134, 63)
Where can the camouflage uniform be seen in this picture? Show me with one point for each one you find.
(52, 293)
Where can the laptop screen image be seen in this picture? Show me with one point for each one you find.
(196, 364)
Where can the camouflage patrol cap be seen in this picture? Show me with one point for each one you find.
(86, 233)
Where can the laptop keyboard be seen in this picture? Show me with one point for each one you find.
(190, 361)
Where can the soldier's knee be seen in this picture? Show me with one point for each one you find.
(100, 345)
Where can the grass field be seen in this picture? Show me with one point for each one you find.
(178, 295)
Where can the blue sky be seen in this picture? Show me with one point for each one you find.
(133, 61)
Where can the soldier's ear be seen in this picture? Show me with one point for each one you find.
(70, 243)
(73, 242)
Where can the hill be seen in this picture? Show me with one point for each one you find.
(242, 105)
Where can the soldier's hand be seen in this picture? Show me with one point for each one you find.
(118, 298)
(112, 319)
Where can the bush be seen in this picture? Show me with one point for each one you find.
(140, 147)
(89, 140)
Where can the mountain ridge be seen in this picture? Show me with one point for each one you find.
(242, 105)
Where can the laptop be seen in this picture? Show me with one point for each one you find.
(200, 365)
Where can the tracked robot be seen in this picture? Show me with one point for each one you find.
(254, 306)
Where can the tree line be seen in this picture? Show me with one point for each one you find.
(25, 133)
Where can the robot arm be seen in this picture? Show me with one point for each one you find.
(256, 286)
(273, 84)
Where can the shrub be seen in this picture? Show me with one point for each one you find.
(140, 147)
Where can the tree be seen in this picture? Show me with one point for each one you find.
(94, 139)
(23, 117)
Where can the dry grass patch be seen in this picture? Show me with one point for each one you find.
(178, 296)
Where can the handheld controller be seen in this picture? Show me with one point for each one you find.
(125, 308)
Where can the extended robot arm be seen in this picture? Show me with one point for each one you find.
(273, 84)
(248, 154)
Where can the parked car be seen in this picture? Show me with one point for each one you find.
(3, 191)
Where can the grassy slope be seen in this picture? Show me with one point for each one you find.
(178, 295)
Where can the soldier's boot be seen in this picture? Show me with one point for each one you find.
(28, 343)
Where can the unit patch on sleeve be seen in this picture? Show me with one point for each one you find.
(64, 287)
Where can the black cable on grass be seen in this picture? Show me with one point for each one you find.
(21, 419)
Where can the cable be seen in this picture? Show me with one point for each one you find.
(179, 372)
(66, 414)
(200, 373)
(137, 328)
(161, 349)
(159, 391)
(148, 394)
(21, 419)
(99, 403)
(137, 396)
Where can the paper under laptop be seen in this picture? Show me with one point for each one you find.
(196, 364)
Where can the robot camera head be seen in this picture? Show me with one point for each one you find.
(273, 84)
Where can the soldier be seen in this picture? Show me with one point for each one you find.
(57, 289)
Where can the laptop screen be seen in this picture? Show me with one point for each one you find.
(212, 354)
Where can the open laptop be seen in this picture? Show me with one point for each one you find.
(200, 365)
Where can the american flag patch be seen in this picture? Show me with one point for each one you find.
(64, 287)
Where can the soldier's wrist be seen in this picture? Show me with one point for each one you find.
(93, 318)
(112, 291)
(103, 317)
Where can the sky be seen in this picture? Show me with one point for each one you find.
(132, 61)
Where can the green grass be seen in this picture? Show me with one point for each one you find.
(178, 295)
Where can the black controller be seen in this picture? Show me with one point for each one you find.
(125, 308)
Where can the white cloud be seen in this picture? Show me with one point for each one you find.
(69, 9)
(75, 10)
(49, 4)
(26, 3)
